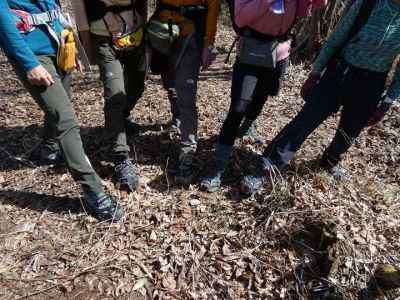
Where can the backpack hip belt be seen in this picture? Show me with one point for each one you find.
(183, 9)
(28, 22)
(249, 32)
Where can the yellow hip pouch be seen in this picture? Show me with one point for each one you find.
(67, 51)
(129, 41)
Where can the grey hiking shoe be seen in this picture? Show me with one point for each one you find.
(103, 207)
(330, 165)
(250, 184)
(186, 170)
(127, 175)
(264, 173)
(339, 173)
(211, 183)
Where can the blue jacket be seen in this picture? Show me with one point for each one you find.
(24, 47)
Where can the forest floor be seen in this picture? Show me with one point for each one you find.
(178, 242)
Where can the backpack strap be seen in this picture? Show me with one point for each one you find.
(231, 6)
(362, 18)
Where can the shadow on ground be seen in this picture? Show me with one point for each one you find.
(150, 148)
(40, 202)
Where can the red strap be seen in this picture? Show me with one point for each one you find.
(23, 23)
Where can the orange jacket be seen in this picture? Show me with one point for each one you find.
(211, 19)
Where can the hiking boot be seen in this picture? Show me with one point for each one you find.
(172, 130)
(213, 182)
(339, 173)
(175, 124)
(131, 127)
(249, 134)
(250, 184)
(47, 156)
(330, 165)
(103, 207)
(186, 169)
(127, 175)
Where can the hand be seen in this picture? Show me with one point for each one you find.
(86, 40)
(310, 83)
(208, 57)
(379, 113)
(39, 76)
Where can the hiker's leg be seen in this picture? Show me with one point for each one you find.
(269, 85)
(112, 76)
(173, 100)
(134, 73)
(49, 127)
(187, 73)
(56, 104)
(363, 94)
(322, 102)
(169, 82)
(115, 110)
(186, 77)
(244, 83)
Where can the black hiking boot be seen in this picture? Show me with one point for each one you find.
(131, 127)
(212, 182)
(126, 175)
(186, 171)
(103, 207)
(47, 156)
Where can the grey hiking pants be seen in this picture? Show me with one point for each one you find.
(182, 82)
(123, 74)
(61, 128)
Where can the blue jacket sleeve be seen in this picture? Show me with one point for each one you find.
(12, 41)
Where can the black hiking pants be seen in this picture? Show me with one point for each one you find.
(250, 89)
(357, 91)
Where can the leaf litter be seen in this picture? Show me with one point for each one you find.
(307, 238)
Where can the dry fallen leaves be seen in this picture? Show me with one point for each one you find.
(179, 243)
